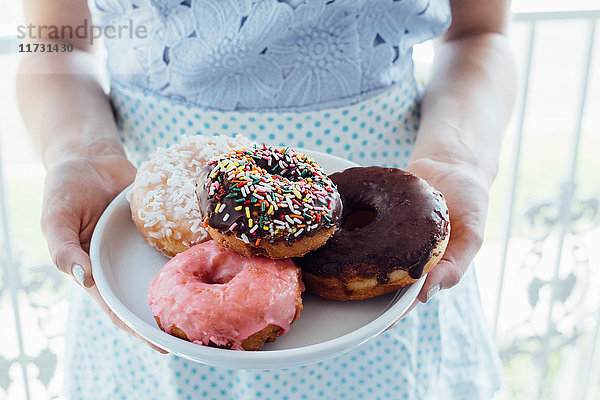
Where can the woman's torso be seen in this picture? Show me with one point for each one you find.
(334, 76)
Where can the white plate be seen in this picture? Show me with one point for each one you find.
(124, 264)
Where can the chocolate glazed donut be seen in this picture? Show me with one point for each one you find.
(395, 228)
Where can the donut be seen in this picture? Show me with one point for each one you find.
(213, 296)
(394, 229)
(267, 201)
(163, 199)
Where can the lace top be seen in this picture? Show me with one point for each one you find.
(266, 54)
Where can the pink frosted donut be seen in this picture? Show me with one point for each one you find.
(213, 296)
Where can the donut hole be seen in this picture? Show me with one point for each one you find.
(358, 219)
(213, 279)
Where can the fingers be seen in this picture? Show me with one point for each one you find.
(70, 258)
(444, 275)
(464, 244)
(62, 235)
(63, 241)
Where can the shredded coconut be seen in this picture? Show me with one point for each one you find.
(166, 184)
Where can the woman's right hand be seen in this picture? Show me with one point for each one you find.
(77, 191)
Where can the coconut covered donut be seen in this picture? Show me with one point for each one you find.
(213, 296)
(268, 201)
(162, 198)
(394, 229)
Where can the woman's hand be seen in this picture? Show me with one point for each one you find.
(466, 192)
(77, 190)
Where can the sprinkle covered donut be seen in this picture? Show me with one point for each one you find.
(268, 201)
(213, 296)
(163, 199)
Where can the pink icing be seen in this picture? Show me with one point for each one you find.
(216, 295)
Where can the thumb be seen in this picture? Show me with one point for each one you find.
(444, 275)
(464, 244)
(65, 248)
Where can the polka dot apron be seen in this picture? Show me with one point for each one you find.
(441, 350)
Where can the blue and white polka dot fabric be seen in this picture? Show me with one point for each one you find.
(380, 130)
(441, 350)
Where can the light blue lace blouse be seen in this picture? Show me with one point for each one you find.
(267, 54)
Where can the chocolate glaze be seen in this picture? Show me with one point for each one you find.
(208, 203)
(411, 217)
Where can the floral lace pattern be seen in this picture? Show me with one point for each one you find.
(267, 54)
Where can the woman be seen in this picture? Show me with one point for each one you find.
(331, 75)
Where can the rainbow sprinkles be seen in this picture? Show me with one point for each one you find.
(269, 193)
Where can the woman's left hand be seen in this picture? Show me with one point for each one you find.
(466, 191)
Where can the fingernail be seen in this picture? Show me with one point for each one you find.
(433, 291)
(79, 274)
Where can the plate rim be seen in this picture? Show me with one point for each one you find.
(279, 358)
